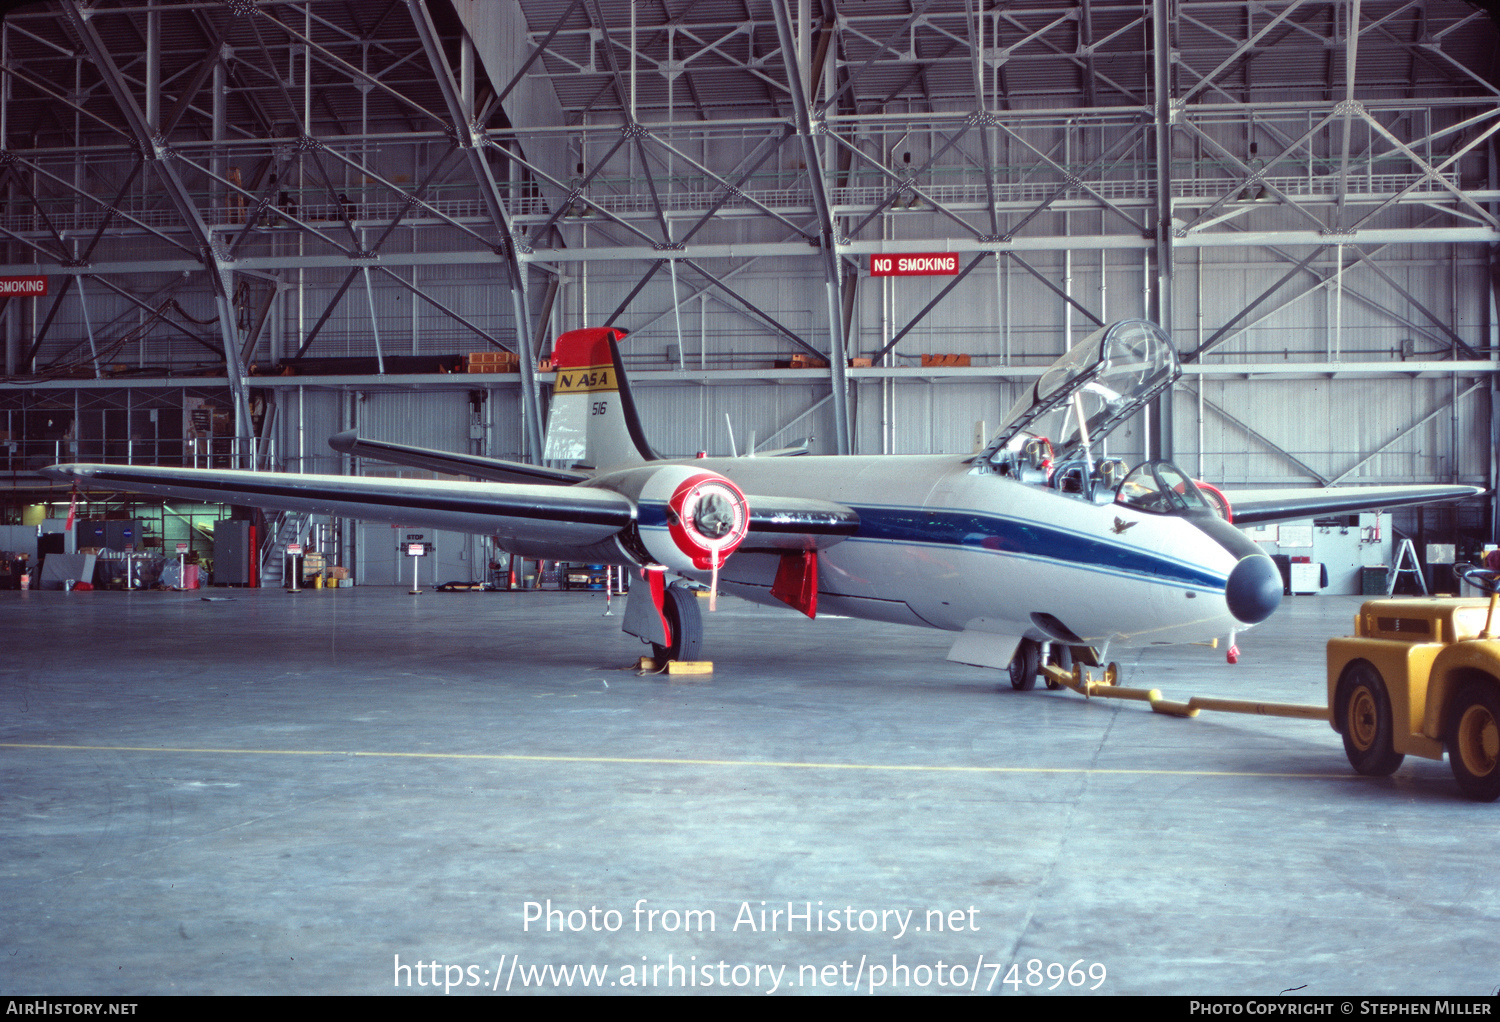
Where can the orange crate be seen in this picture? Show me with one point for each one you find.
(807, 362)
(493, 362)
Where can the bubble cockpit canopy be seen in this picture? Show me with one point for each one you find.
(1098, 384)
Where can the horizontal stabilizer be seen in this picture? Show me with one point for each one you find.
(1261, 507)
(794, 451)
(495, 470)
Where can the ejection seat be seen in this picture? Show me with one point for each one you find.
(1109, 474)
(1035, 463)
(1072, 477)
(1095, 483)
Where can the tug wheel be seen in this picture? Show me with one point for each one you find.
(1363, 711)
(1474, 741)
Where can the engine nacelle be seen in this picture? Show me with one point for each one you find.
(688, 519)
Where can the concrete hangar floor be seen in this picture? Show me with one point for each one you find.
(363, 792)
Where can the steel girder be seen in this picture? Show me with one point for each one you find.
(1165, 104)
(156, 154)
(833, 268)
(961, 76)
(469, 144)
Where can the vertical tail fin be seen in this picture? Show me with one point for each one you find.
(593, 420)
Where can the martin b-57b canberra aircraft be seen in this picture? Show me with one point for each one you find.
(1039, 539)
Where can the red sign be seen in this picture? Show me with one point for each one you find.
(30, 287)
(924, 264)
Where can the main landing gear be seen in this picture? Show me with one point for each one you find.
(668, 619)
(684, 622)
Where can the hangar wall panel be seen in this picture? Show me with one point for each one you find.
(1333, 426)
(679, 421)
(382, 560)
(441, 419)
(438, 419)
(304, 423)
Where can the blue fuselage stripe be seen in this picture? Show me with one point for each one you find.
(977, 531)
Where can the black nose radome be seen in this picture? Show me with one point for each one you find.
(1254, 589)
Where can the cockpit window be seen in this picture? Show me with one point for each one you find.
(1159, 487)
(1095, 386)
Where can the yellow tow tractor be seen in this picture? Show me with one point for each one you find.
(1416, 677)
(1421, 675)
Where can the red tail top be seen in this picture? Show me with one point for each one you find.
(588, 347)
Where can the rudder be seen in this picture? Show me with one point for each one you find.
(593, 419)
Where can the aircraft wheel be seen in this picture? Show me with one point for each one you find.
(1364, 715)
(1474, 741)
(1024, 666)
(686, 622)
(1059, 656)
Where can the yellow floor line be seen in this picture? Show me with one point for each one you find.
(664, 761)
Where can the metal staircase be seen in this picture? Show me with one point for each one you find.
(282, 528)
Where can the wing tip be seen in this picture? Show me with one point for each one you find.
(1266, 507)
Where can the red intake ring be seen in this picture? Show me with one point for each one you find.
(709, 517)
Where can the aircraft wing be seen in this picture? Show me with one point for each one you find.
(553, 521)
(580, 515)
(1261, 507)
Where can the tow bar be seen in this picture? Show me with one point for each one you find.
(1082, 681)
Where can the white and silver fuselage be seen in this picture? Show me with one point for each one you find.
(943, 546)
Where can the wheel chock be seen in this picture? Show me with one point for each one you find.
(676, 668)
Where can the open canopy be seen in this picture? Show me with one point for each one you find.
(1098, 384)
